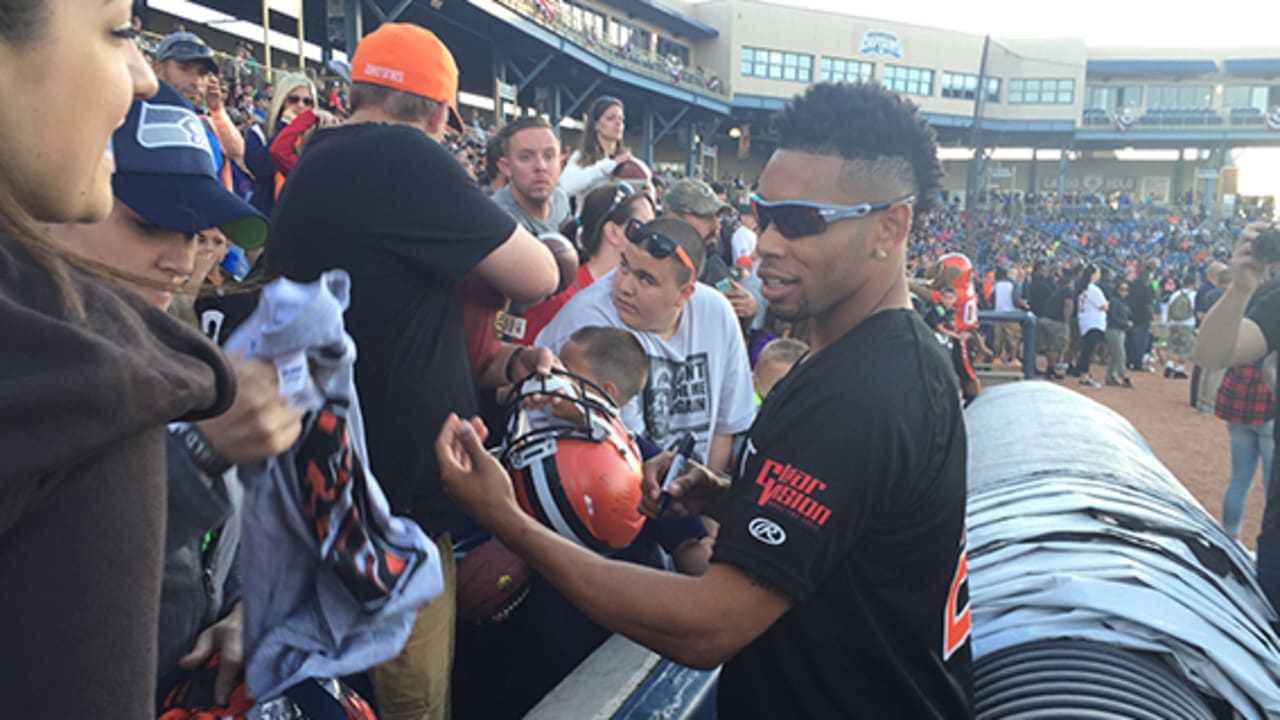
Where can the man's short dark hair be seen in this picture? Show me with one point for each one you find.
(882, 136)
(616, 356)
(400, 105)
(682, 234)
(527, 122)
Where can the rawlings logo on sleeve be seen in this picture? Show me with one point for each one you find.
(794, 491)
(767, 531)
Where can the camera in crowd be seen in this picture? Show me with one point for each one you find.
(1266, 247)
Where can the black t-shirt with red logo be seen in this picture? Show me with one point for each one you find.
(850, 498)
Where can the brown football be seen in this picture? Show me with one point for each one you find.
(492, 582)
(566, 256)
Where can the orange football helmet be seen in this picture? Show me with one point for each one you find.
(575, 467)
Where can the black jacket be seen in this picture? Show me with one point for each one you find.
(1141, 301)
(1119, 315)
(200, 584)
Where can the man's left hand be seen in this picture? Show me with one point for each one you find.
(224, 637)
(473, 478)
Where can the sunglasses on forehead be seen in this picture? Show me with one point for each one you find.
(657, 244)
(620, 196)
(796, 218)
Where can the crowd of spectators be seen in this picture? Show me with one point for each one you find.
(382, 241)
(670, 67)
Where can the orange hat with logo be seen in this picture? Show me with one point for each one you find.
(410, 58)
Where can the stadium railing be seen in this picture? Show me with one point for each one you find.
(638, 59)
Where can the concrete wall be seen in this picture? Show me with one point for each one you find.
(752, 23)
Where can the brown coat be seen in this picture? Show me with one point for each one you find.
(83, 405)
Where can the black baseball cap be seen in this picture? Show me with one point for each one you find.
(183, 47)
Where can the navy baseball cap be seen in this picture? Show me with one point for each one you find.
(184, 46)
(165, 173)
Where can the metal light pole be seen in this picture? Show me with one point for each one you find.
(973, 181)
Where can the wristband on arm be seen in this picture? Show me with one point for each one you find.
(201, 452)
(511, 363)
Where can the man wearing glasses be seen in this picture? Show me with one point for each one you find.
(699, 378)
(838, 584)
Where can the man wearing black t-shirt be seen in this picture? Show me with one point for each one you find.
(1052, 322)
(838, 585)
(380, 198)
(1229, 337)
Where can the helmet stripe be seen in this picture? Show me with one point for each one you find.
(550, 510)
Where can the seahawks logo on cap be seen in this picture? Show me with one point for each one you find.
(168, 126)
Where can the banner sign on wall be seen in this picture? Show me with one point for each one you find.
(881, 42)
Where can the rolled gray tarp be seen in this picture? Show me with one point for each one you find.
(1077, 532)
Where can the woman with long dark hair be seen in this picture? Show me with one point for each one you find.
(91, 373)
(602, 150)
(599, 232)
(1091, 314)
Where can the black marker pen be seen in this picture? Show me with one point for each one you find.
(683, 449)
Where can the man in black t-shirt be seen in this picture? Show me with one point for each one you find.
(1142, 300)
(1229, 337)
(1052, 322)
(380, 198)
(1038, 289)
(838, 585)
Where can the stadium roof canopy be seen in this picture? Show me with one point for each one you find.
(1258, 66)
(1151, 67)
(663, 16)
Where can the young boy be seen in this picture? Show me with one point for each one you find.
(941, 317)
(546, 637)
(942, 314)
(609, 357)
(775, 361)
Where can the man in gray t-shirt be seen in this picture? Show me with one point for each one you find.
(531, 161)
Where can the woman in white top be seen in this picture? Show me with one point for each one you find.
(1091, 312)
(591, 165)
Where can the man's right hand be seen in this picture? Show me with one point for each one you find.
(213, 95)
(1246, 272)
(260, 424)
(694, 492)
(743, 302)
